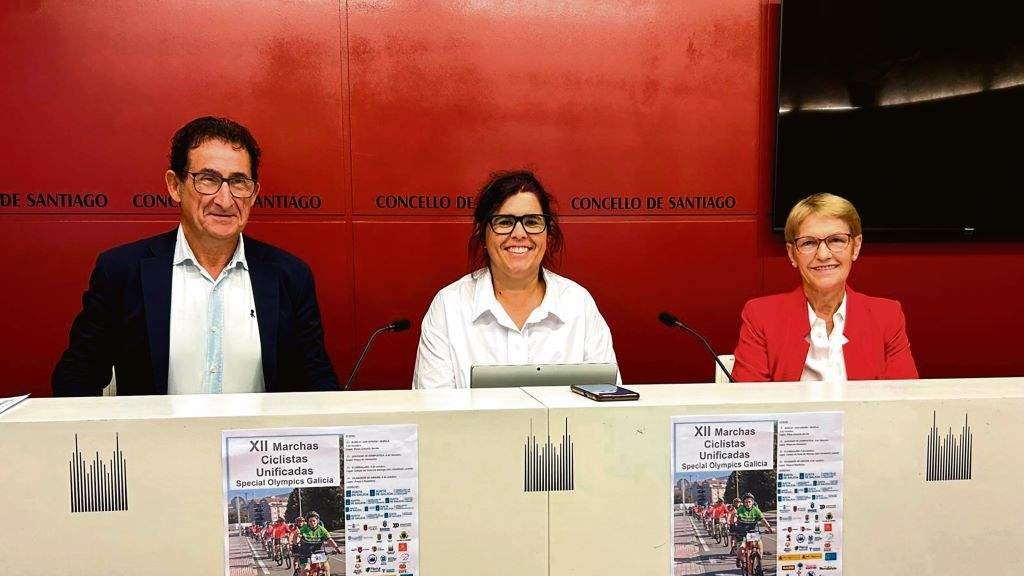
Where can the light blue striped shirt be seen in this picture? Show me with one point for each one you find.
(215, 336)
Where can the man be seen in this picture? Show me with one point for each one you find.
(747, 516)
(295, 540)
(314, 535)
(278, 533)
(200, 309)
(719, 513)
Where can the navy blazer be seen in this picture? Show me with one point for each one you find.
(125, 322)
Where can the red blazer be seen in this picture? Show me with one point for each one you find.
(773, 340)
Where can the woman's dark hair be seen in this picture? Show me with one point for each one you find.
(198, 131)
(501, 187)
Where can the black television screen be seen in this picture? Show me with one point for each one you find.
(913, 110)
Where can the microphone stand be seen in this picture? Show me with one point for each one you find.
(673, 322)
(396, 326)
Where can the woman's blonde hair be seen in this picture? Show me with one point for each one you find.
(823, 204)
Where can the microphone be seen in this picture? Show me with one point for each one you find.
(396, 326)
(672, 322)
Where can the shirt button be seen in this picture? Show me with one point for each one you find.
(213, 328)
(213, 368)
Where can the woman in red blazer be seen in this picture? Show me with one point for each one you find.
(823, 330)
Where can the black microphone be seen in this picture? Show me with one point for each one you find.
(672, 322)
(396, 326)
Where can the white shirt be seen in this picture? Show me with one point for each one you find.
(825, 356)
(215, 337)
(466, 326)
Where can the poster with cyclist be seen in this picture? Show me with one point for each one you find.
(757, 494)
(321, 501)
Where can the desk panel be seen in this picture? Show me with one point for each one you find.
(472, 504)
(617, 520)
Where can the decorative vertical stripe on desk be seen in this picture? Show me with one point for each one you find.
(949, 457)
(100, 487)
(548, 468)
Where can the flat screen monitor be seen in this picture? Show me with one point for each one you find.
(522, 375)
(911, 109)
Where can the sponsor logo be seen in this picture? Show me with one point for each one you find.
(796, 557)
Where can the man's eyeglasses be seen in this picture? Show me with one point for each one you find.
(834, 242)
(506, 223)
(209, 184)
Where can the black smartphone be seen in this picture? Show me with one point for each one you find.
(605, 392)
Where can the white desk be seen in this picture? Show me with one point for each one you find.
(476, 518)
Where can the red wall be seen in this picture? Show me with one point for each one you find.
(365, 106)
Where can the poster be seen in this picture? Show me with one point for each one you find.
(362, 482)
(783, 473)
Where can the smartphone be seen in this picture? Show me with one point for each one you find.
(605, 392)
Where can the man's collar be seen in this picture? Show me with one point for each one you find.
(238, 258)
(183, 252)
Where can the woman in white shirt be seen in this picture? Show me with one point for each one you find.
(512, 310)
